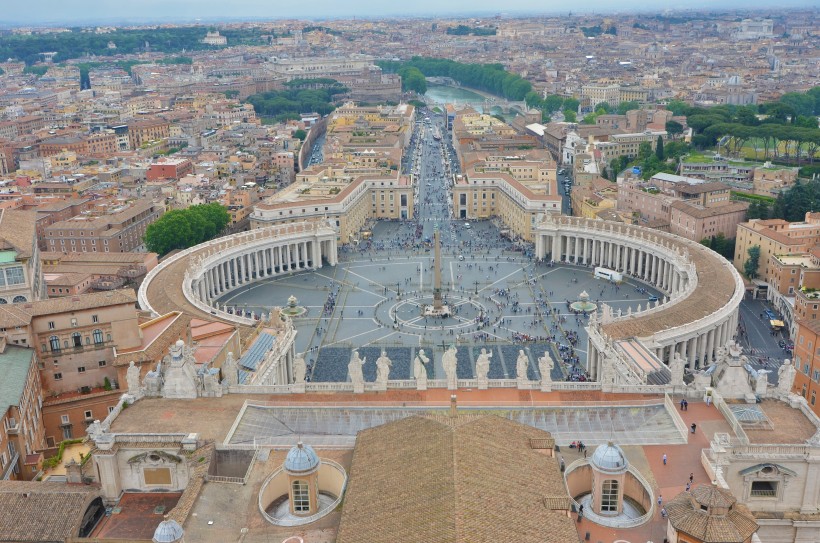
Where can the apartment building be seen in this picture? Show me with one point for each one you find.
(681, 205)
(21, 276)
(597, 93)
(116, 229)
(75, 338)
(21, 427)
(772, 180)
(807, 361)
(619, 145)
(698, 222)
(731, 172)
(515, 188)
(336, 196)
(144, 132)
(169, 168)
(775, 237)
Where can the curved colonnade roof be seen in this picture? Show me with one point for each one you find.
(165, 294)
(716, 286)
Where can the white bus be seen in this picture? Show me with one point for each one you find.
(610, 275)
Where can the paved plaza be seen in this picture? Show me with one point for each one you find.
(501, 299)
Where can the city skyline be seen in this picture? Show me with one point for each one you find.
(52, 12)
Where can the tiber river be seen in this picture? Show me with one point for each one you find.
(444, 94)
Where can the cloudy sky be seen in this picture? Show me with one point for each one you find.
(68, 11)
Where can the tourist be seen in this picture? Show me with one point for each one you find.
(691, 477)
(694, 427)
(664, 459)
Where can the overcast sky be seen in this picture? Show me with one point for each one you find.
(72, 11)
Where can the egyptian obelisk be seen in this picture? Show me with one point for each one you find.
(437, 305)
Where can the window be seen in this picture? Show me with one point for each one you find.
(51, 325)
(301, 497)
(101, 363)
(77, 339)
(64, 419)
(54, 342)
(111, 409)
(609, 496)
(14, 276)
(73, 322)
(98, 336)
(81, 369)
(88, 415)
(58, 376)
(764, 489)
(95, 319)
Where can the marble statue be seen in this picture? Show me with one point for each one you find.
(230, 373)
(676, 366)
(383, 364)
(354, 369)
(180, 380)
(94, 429)
(299, 369)
(420, 370)
(210, 382)
(521, 365)
(132, 377)
(482, 368)
(785, 377)
(450, 363)
(762, 383)
(545, 365)
(153, 381)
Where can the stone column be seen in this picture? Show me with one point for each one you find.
(556, 247)
(283, 263)
(710, 346)
(577, 248)
(255, 265)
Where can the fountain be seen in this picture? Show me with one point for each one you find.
(583, 304)
(294, 309)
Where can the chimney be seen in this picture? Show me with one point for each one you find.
(453, 406)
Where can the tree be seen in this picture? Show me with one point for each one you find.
(300, 134)
(678, 107)
(589, 118)
(552, 103)
(674, 129)
(644, 150)
(183, 228)
(659, 148)
(623, 107)
(603, 106)
(571, 103)
(751, 264)
(570, 116)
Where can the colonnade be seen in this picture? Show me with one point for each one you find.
(258, 262)
(654, 259)
(640, 261)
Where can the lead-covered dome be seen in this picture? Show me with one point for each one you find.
(168, 531)
(301, 459)
(609, 458)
